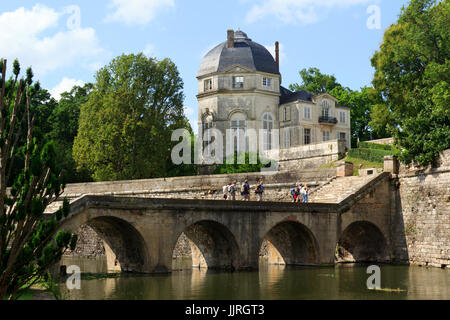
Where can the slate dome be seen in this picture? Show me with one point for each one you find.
(245, 52)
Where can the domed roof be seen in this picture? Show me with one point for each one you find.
(246, 53)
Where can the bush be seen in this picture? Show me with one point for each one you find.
(368, 145)
(242, 168)
(373, 155)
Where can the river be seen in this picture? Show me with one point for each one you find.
(269, 283)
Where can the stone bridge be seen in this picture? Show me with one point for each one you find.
(140, 234)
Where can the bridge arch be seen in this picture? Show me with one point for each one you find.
(125, 247)
(212, 245)
(362, 241)
(290, 243)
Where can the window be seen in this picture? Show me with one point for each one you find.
(342, 117)
(238, 128)
(287, 114)
(238, 82)
(287, 138)
(208, 84)
(307, 136)
(267, 82)
(326, 136)
(207, 139)
(267, 131)
(342, 136)
(307, 112)
(325, 112)
(325, 104)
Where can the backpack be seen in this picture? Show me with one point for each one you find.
(243, 187)
(292, 191)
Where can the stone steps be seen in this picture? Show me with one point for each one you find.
(340, 188)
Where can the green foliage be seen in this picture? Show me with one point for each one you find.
(27, 243)
(368, 145)
(314, 81)
(373, 155)
(241, 164)
(64, 128)
(411, 79)
(125, 127)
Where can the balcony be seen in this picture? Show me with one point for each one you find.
(328, 120)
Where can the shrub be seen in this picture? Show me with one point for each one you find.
(373, 155)
(242, 168)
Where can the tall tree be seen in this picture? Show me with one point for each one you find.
(412, 77)
(64, 128)
(126, 125)
(28, 245)
(314, 81)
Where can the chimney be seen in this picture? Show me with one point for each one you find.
(230, 36)
(277, 54)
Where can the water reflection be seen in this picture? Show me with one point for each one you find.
(269, 283)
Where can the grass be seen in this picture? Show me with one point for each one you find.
(357, 164)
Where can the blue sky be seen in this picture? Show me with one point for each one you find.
(67, 41)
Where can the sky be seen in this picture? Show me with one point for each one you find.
(66, 42)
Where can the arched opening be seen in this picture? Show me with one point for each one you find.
(206, 244)
(290, 244)
(362, 241)
(114, 239)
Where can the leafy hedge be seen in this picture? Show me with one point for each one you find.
(373, 155)
(368, 145)
(242, 168)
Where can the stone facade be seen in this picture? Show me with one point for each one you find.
(424, 208)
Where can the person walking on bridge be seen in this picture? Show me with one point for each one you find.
(304, 192)
(245, 191)
(260, 190)
(225, 192)
(232, 191)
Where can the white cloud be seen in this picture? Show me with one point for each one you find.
(65, 85)
(133, 12)
(283, 56)
(26, 35)
(293, 11)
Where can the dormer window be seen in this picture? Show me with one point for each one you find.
(238, 82)
(208, 85)
(267, 82)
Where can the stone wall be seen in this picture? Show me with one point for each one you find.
(309, 156)
(277, 185)
(423, 208)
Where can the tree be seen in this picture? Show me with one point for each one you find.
(315, 82)
(64, 128)
(412, 71)
(126, 125)
(29, 242)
